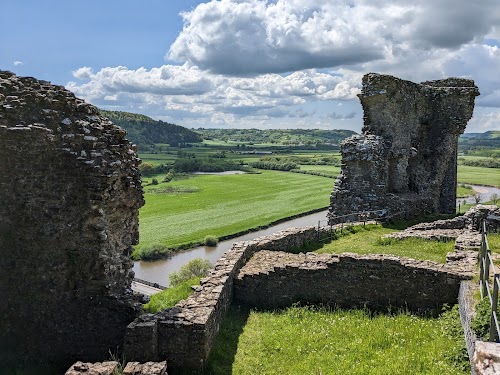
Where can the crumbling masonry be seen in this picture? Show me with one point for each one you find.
(70, 191)
(405, 160)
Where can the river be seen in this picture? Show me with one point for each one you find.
(158, 271)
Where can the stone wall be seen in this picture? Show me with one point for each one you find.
(70, 191)
(276, 279)
(184, 334)
(406, 158)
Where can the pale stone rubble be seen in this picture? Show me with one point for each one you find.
(487, 358)
(464, 229)
(113, 368)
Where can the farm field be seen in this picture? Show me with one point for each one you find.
(185, 211)
(182, 212)
(479, 175)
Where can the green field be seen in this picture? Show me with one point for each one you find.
(221, 205)
(368, 240)
(305, 340)
(479, 175)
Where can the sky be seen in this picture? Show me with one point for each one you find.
(251, 63)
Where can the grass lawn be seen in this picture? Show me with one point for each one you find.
(478, 175)
(304, 340)
(367, 240)
(221, 205)
(169, 297)
(464, 191)
(326, 168)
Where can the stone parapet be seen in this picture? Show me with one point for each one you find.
(276, 280)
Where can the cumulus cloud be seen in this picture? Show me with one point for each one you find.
(259, 36)
(17, 63)
(257, 62)
(187, 88)
(85, 72)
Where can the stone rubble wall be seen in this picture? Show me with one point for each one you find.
(185, 334)
(70, 191)
(405, 160)
(276, 279)
(464, 229)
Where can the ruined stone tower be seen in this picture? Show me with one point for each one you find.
(70, 191)
(405, 160)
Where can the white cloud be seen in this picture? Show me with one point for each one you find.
(259, 36)
(484, 119)
(84, 72)
(17, 63)
(269, 63)
(186, 89)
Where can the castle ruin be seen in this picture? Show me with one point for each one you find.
(70, 191)
(405, 160)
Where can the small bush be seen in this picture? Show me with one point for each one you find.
(481, 322)
(195, 268)
(210, 240)
(153, 252)
(154, 181)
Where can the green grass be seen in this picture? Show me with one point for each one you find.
(465, 207)
(464, 191)
(367, 240)
(169, 297)
(478, 175)
(222, 205)
(304, 340)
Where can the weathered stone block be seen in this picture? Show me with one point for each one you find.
(98, 368)
(148, 368)
(487, 358)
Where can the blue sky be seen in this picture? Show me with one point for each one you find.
(251, 63)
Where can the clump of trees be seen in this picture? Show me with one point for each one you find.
(286, 166)
(485, 163)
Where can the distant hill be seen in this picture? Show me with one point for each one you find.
(290, 137)
(492, 134)
(488, 140)
(143, 130)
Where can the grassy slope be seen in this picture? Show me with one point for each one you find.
(311, 341)
(368, 241)
(464, 191)
(169, 297)
(227, 204)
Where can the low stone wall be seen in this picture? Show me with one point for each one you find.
(185, 333)
(276, 280)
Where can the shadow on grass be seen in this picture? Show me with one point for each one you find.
(224, 351)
